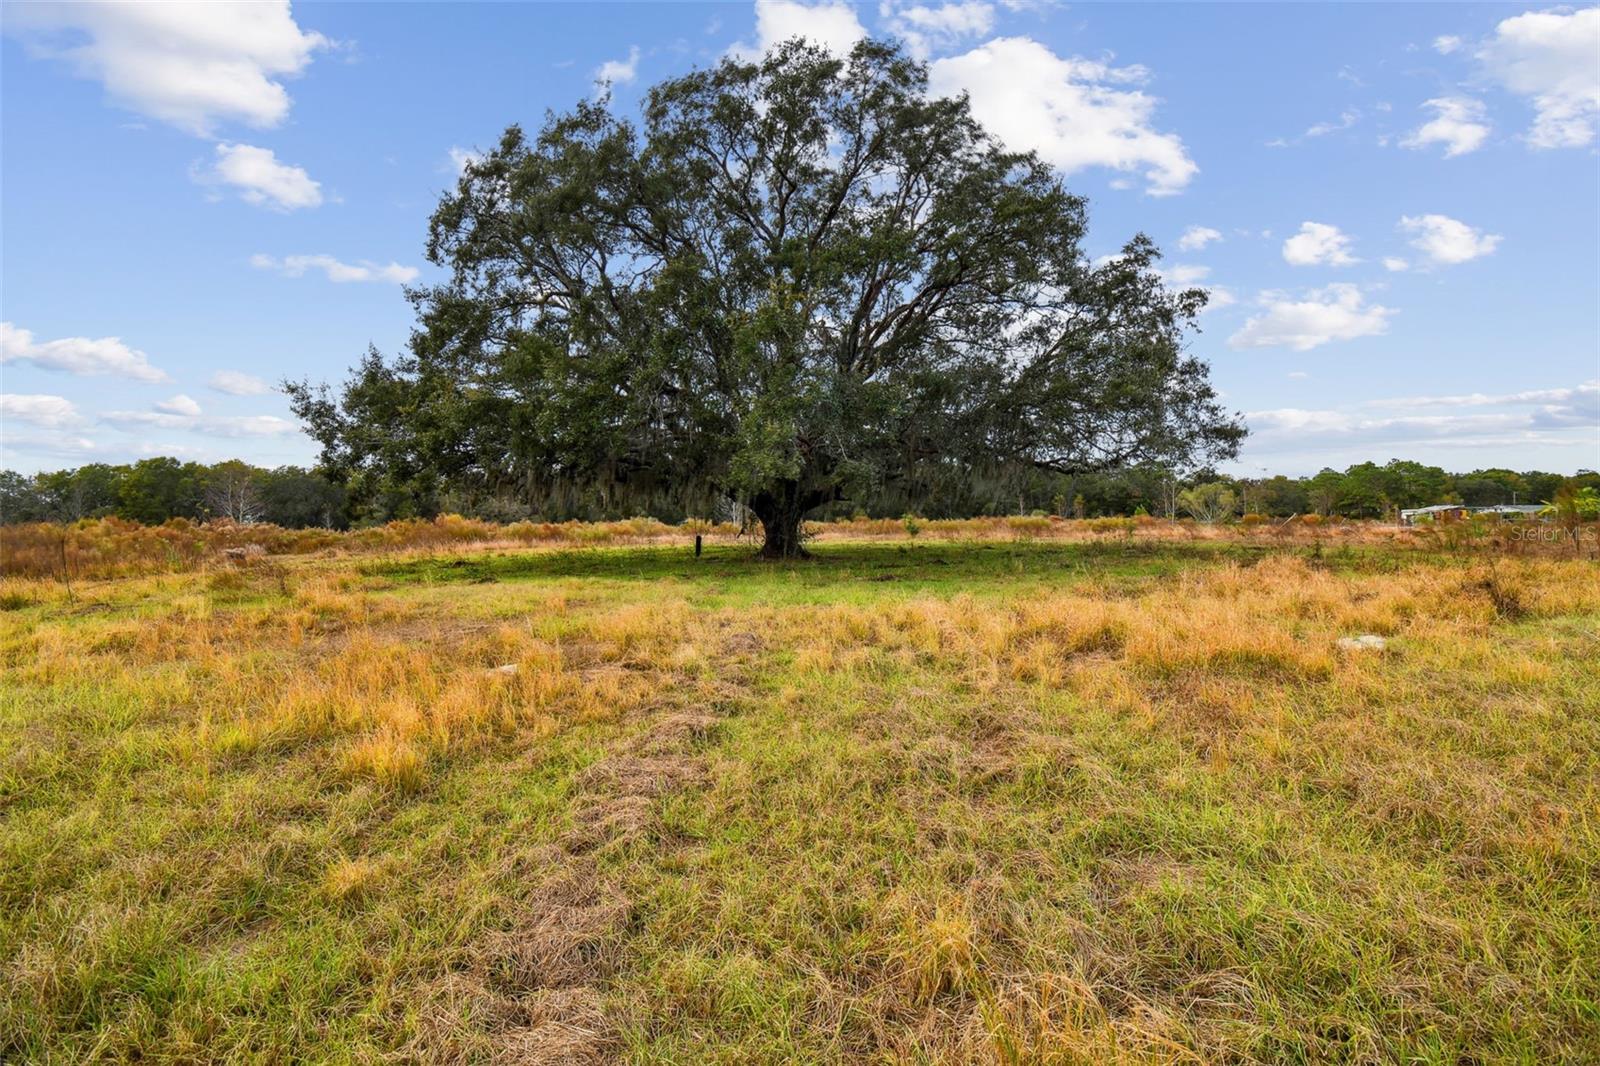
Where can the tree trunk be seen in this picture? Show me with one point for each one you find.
(781, 536)
(782, 510)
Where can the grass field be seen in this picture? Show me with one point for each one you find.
(1120, 800)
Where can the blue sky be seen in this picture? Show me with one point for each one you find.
(1397, 207)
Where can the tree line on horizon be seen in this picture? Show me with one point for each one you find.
(158, 489)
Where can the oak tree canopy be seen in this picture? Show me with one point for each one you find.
(792, 279)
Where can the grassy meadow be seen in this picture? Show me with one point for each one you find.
(970, 796)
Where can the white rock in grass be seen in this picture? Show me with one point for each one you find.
(508, 669)
(1365, 642)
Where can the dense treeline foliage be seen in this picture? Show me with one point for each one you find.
(155, 490)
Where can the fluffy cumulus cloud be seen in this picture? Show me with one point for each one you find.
(1445, 240)
(1446, 44)
(1318, 243)
(179, 405)
(1076, 113)
(832, 25)
(1553, 59)
(77, 355)
(238, 383)
(295, 266)
(1458, 123)
(1394, 264)
(1197, 237)
(1321, 316)
(926, 28)
(614, 72)
(192, 65)
(260, 179)
(51, 412)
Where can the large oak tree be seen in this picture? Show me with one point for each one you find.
(794, 279)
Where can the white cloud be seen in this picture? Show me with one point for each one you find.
(1394, 264)
(1553, 417)
(926, 28)
(1551, 58)
(261, 179)
(51, 412)
(1318, 242)
(832, 25)
(616, 71)
(1346, 120)
(1446, 44)
(295, 266)
(1585, 395)
(462, 158)
(1182, 276)
(212, 426)
(1458, 124)
(1197, 237)
(77, 355)
(1445, 240)
(16, 449)
(237, 383)
(179, 405)
(1186, 274)
(1075, 113)
(189, 64)
(1335, 313)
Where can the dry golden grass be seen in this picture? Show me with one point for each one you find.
(113, 548)
(1077, 797)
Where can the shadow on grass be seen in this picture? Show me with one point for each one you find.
(921, 566)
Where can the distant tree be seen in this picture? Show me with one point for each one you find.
(21, 500)
(1210, 503)
(296, 498)
(800, 280)
(1410, 484)
(1284, 496)
(1484, 488)
(160, 488)
(1543, 486)
(89, 491)
(233, 490)
(1324, 491)
(1364, 491)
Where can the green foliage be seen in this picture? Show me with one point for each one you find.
(1210, 503)
(794, 282)
(1574, 504)
(153, 491)
(295, 498)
